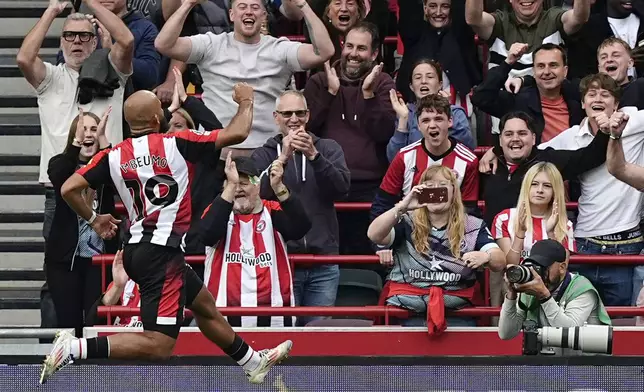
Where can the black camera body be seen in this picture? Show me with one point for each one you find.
(531, 342)
(521, 273)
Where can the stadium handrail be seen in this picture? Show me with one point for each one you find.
(392, 39)
(354, 311)
(347, 206)
(107, 259)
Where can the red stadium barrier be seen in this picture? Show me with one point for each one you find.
(387, 40)
(300, 38)
(373, 259)
(346, 206)
(355, 311)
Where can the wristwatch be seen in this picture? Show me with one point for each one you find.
(92, 219)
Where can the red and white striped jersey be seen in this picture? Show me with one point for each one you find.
(132, 299)
(504, 227)
(152, 175)
(250, 267)
(411, 161)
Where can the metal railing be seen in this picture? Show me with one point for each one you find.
(386, 312)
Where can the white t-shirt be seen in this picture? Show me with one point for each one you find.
(267, 66)
(606, 205)
(626, 28)
(58, 106)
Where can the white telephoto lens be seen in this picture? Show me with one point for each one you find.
(589, 339)
(551, 336)
(593, 339)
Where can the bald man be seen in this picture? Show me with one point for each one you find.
(152, 174)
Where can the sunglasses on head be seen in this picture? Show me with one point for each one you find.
(289, 113)
(84, 36)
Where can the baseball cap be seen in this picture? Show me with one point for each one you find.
(546, 253)
(245, 165)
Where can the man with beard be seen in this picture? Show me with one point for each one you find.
(350, 104)
(245, 55)
(246, 258)
(553, 297)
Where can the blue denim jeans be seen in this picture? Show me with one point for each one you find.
(614, 283)
(316, 286)
(451, 322)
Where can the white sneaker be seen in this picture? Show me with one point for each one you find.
(270, 357)
(59, 357)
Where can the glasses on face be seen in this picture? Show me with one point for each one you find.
(84, 36)
(289, 113)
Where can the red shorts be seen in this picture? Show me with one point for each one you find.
(166, 283)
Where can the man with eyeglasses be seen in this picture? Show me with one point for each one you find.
(56, 85)
(316, 172)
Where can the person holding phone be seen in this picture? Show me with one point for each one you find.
(539, 215)
(437, 250)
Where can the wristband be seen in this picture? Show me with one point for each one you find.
(282, 192)
(544, 300)
(92, 219)
(615, 137)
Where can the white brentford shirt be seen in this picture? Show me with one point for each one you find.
(504, 227)
(58, 106)
(607, 205)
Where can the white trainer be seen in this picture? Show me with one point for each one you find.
(270, 357)
(59, 357)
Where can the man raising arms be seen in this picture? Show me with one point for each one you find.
(246, 55)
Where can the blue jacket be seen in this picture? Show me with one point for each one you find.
(145, 63)
(460, 131)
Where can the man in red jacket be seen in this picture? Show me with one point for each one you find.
(350, 103)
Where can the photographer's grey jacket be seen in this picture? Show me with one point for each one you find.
(317, 183)
(577, 312)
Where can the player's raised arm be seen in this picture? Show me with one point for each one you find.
(239, 127)
(196, 145)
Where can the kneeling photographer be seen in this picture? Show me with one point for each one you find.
(541, 291)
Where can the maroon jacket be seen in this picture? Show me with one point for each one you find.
(361, 127)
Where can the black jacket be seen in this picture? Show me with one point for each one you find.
(97, 78)
(317, 183)
(63, 238)
(501, 190)
(206, 180)
(492, 98)
(453, 47)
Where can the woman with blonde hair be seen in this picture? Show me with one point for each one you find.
(540, 214)
(437, 251)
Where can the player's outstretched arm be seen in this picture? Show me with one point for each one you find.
(239, 127)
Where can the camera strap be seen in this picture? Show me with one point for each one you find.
(563, 287)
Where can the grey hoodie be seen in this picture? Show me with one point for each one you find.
(317, 183)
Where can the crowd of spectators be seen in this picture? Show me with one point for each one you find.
(352, 119)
